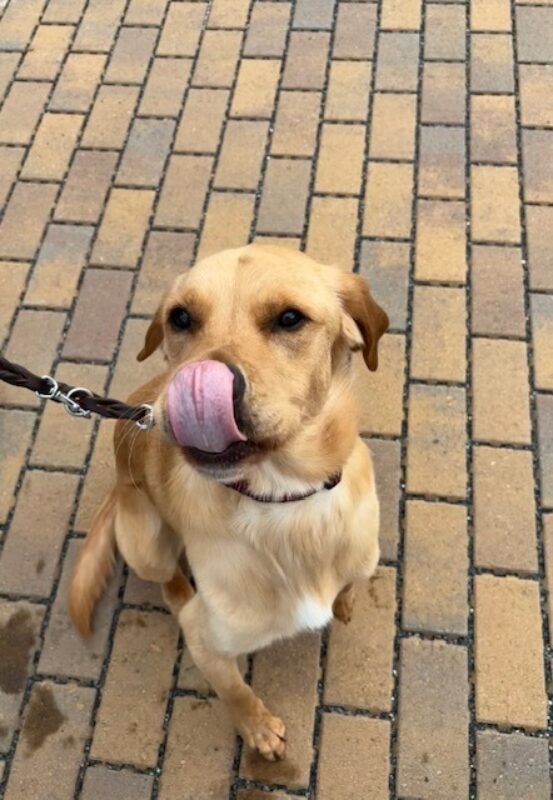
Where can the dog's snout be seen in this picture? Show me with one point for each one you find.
(238, 392)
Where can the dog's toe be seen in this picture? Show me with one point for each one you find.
(264, 733)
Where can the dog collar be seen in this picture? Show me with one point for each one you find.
(242, 488)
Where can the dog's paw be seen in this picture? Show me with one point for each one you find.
(263, 732)
(343, 607)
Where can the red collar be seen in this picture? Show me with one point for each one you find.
(242, 488)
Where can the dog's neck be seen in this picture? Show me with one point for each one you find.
(242, 487)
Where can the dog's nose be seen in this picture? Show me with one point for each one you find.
(238, 391)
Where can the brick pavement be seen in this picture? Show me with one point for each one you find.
(411, 140)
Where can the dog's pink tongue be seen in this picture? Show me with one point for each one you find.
(200, 406)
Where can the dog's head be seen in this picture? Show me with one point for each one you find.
(255, 339)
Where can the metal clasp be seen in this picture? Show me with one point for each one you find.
(147, 422)
(71, 406)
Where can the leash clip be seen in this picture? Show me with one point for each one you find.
(71, 406)
(147, 422)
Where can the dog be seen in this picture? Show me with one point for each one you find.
(254, 474)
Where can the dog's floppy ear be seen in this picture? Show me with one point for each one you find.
(371, 321)
(154, 335)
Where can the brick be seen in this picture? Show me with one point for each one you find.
(401, 14)
(340, 161)
(20, 625)
(542, 338)
(146, 12)
(135, 692)
(128, 374)
(386, 383)
(490, 15)
(183, 192)
(60, 262)
(21, 111)
(110, 117)
(267, 29)
(355, 31)
(15, 436)
(218, 57)
(182, 29)
(436, 459)
(440, 229)
(495, 204)
(439, 321)
(534, 34)
(500, 390)
(255, 92)
(536, 94)
(10, 162)
(497, 291)
(306, 60)
(284, 197)
(18, 22)
(491, 63)
(537, 151)
(99, 26)
(443, 93)
(34, 340)
(165, 87)
(291, 694)
(398, 61)
(544, 407)
(53, 147)
(64, 651)
(76, 438)
(100, 781)
(291, 242)
(493, 129)
(539, 225)
(332, 230)
(386, 458)
(354, 752)
(348, 91)
(442, 162)
(227, 223)
(388, 200)
(445, 32)
(314, 14)
(433, 721)
(63, 11)
(50, 748)
(98, 314)
(504, 523)
(229, 14)
(86, 187)
(121, 234)
(78, 81)
(12, 282)
(99, 479)
(386, 265)
(209, 746)
(372, 628)
(511, 766)
(510, 686)
(146, 151)
(202, 120)
(8, 65)
(257, 794)
(241, 155)
(296, 124)
(166, 256)
(140, 592)
(436, 562)
(32, 547)
(547, 521)
(131, 56)
(393, 126)
(46, 52)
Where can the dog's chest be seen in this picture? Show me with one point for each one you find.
(310, 614)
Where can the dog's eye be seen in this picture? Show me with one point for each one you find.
(180, 319)
(290, 320)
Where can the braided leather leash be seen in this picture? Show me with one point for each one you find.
(77, 401)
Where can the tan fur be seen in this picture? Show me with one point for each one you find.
(263, 571)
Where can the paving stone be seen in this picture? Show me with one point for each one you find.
(256, 87)
(340, 161)
(166, 255)
(534, 34)
(493, 131)
(445, 32)
(504, 512)
(537, 149)
(13, 278)
(8, 65)
(380, 393)
(77, 84)
(492, 63)
(99, 26)
(86, 187)
(436, 561)
(63, 11)
(111, 116)
(54, 143)
(182, 29)
(128, 374)
(100, 781)
(402, 14)
(314, 14)
(123, 228)
(386, 266)
(536, 94)
(500, 391)
(290, 694)
(32, 547)
(433, 721)
(497, 291)
(284, 197)
(255, 794)
(130, 717)
(443, 93)
(544, 405)
(441, 228)
(25, 219)
(305, 64)
(183, 192)
(510, 685)
(218, 57)
(131, 55)
(388, 200)
(398, 57)
(46, 52)
(15, 437)
(539, 225)
(393, 126)
(18, 23)
(227, 222)
(147, 148)
(165, 87)
(354, 753)
(267, 29)
(332, 230)
(439, 335)
(495, 204)
(542, 337)
(355, 31)
(349, 85)
(547, 521)
(442, 162)
(511, 766)
(146, 12)
(241, 155)
(296, 125)
(490, 15)
(202, 120)
(229, 14)
(360, 675)
(386, 459)
(436, 458)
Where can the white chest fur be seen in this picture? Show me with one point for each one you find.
(312, 615)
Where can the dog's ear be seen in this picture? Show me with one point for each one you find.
(364, 321)
(154, 335)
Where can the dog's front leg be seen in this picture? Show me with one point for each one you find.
(257, 726)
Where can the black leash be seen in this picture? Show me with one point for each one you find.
(77, 401)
